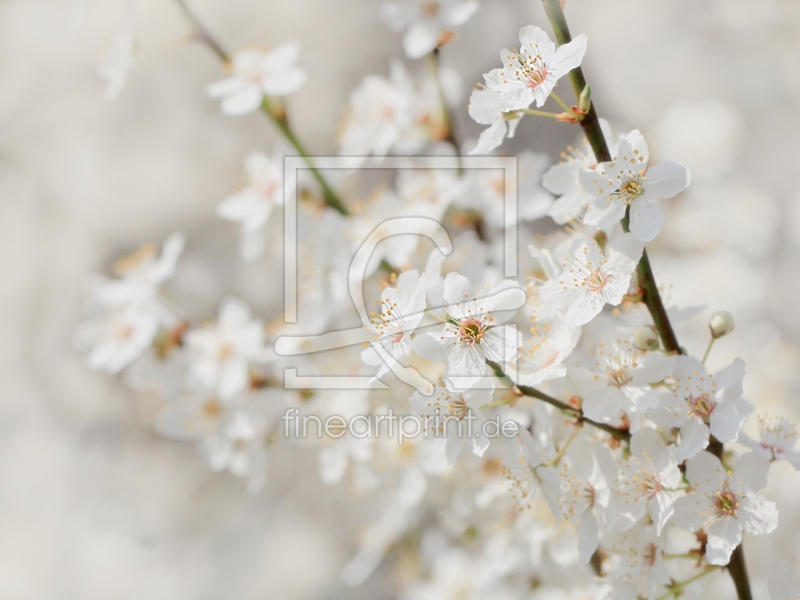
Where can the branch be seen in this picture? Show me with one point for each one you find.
(594, 134)
(576, 413)
(269, 107)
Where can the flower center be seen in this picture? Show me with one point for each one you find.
(596, 280)
(701, 406)
(631, 189)
(530, 68)
(726, 503)
(650, 485)
(471, 331)
(458, 408)
(619, 377)
(212, 409)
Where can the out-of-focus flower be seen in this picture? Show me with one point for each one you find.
(252, 206)
(427, 23)
(626, 181)
(525, 474)
(531, 74)
(125, 314)
(116, 66)
(380, 111)
(222, 351)
(726, 503)
(543, 353)
(256, 73)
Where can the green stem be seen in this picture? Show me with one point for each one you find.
(676, 589)
(531, 111)
(560, 454)
(278, 117)
(567, 108)
(708, 349)
(433, 62)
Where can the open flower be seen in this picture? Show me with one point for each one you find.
(252, 206)
(702, 404)
(452, 421)
(619, 378)
(473, 332)
(524, 473)
(543, 353)
(726, 503)
(531, 74)
(776, 441)
(402, 308)
(256, 73)
(563, 179)
(427, 23)
(646, 481)
(636, 560)
(626, 181)
(591, 278)
(221, 351)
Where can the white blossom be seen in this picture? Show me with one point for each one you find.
(777, 438)
(725, 503)
(256, 73)
(252, 206)
(485, 107)
(701, 404)
(474, 331)
(427, 23)
(531, 73)
(221, 352)
(592, 277)
(626, 181)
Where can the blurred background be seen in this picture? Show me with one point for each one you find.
(93, 504)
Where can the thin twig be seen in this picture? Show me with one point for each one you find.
(270, 108)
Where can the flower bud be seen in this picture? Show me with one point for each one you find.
(721, 323)
(646, 338)
(585, 100)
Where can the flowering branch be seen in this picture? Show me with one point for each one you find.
(594, 134)
(576, 413)
(650, 295)
(271, 108)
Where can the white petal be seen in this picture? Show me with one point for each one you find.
(723, 537)
(421, 38)
(569, 56)
(429, 346)
(457, 288)
(281, 57)
(694, 438)
(660, 508)
(284, 82)
(490, 138)
(646, 218)
(484, 106)
(666, 179)
(458, 15)
(242, 102)
(501, 344)
(225, 87)
(757, 514)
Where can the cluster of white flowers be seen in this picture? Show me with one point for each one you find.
(616, 460)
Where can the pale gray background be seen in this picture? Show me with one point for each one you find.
(93, 505)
